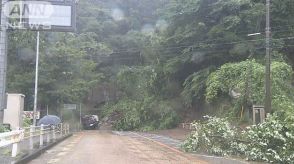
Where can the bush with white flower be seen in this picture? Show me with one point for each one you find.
(213, 136)
(271, 141)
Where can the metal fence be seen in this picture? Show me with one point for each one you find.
(20, 142)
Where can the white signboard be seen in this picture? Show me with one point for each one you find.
(30, 114)
(70, 106)
(40, 15)
(60, 17)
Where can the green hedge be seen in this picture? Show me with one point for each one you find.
(3, 129)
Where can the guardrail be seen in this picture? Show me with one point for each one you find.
(31, 137)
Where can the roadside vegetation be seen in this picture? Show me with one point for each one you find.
(271, 141)
(143, 115)
(3, 129)
(160, 63)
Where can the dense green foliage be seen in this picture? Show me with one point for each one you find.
(271, 141)
(27, 122)
(66, 75)
(213, 136)
(194, 86)
(145, 115)
(160, 58)
(3, 129)
(233, 76)
(141, 109)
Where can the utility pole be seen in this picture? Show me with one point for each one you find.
(248, 87)
(3, 61)
(268, 94)
(36, 79)
(80, 125)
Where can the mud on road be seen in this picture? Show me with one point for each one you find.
(104, 147)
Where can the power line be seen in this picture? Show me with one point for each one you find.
(200, 45)
(190, 43)
(167, 55)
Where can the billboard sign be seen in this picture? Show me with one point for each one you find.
(41, 15)
(70, 106)
(30, 115)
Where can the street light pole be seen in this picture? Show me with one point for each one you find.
(36, 79)
(268, 94)
(3, 61)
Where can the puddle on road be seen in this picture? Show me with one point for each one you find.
(53, 161)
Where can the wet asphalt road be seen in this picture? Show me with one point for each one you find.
(104, 147)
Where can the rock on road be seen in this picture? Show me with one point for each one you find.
(103, 147)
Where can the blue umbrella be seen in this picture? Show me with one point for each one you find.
(49, 120)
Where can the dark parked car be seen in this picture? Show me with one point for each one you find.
(90, 122)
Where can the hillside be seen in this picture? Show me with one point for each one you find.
(157, 63)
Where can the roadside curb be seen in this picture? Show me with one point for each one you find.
(39, 151)
(206, 158)
(219, 160)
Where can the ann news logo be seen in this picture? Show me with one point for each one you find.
(34, 15)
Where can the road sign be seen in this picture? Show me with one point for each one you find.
(30, 114)
(41, 15)
(70, 106)
(51, 15)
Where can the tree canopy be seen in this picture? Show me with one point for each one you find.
(178, 52)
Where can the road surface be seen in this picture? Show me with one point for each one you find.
(104, 147)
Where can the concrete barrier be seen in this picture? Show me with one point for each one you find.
(25, 139)
(27, 158)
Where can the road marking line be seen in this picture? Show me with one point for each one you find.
(168, 147)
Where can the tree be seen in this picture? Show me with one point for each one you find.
(66, 75)
(233, 76)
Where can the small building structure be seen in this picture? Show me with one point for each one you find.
(13, 115)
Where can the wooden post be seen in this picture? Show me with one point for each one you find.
(254, 114)
(14, 150)
(262, 115)
(41, 135)
(31, 137)
(61, 129)
(67, 129)
(48, 135)
(261, 111)
(53, 134)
